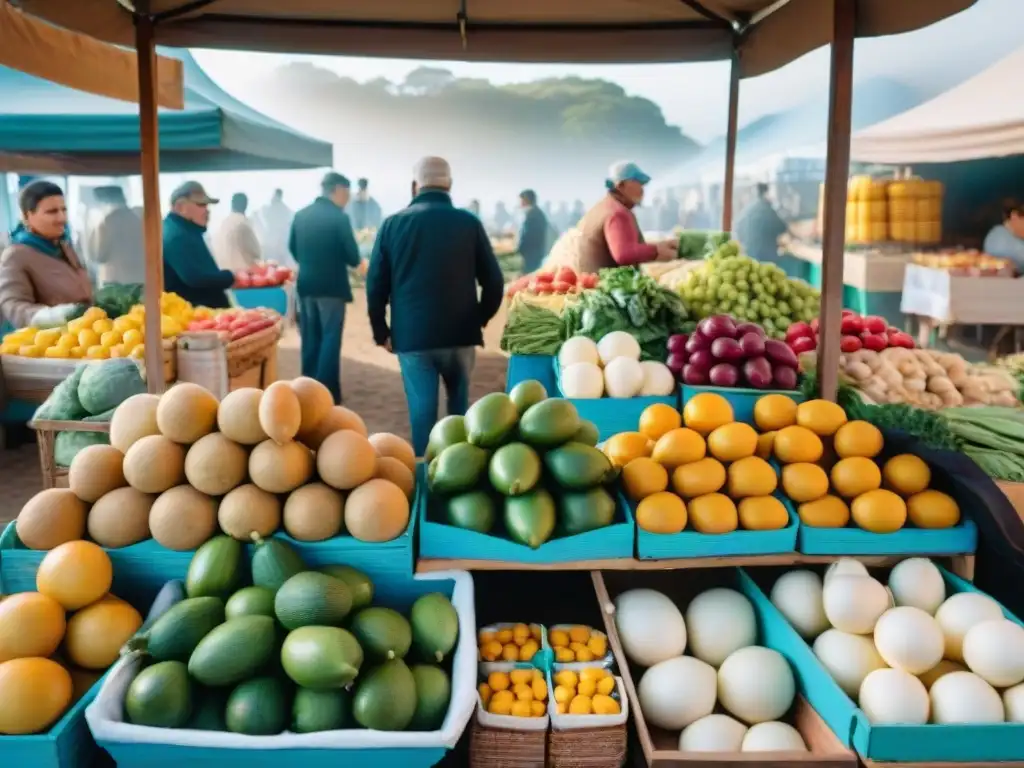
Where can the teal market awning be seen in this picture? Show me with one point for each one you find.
(47, 128)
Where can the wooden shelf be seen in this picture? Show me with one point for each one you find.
(962, 565)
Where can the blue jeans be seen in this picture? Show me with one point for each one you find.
(421, 374)
(320, 328)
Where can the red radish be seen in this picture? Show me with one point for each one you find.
(725, 349)
(742, 329)
(677, 343)
(875, 324)
(900, 339)
(676, 362)
(694, 376)
(784, 378)
(876, 342)
(565, 275)
(696, 342)
(850, 344)
(799, 331)
(803, 344)
(851, 324)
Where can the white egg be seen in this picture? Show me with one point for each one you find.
(854, 603)
(959, 613)
(756, 684)
(894, 696)
(714, 733)
(718, 622)
(650, 626)
(944, 667)
(918, 582)
(909, 639)
(1013, 703)
(845, 566)
(798, 596)
(963, 697)
(848, 658)
(994, 650)
(677, 692)
(773, 736)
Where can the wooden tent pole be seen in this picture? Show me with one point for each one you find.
(837, 171)
(730, 143)
(145, 47)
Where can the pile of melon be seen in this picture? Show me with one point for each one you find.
(55, 643)
(183, 467)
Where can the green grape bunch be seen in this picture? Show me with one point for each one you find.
(731, 283)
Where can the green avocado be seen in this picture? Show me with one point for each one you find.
(433, 694)
(526, 394)
(578, 467)
(549, 423)
(587, 433)
(530, 518)
(448, 431)
(457, 468)
(385, 698)
(514, 469)
(473, 510)
(383, 633)
(585, 511)
(490, 420)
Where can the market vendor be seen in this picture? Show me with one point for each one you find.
(759, 227)
(610, 235)
(189, 267)
(1006, 240)
(42, 280)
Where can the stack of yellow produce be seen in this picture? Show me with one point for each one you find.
(586, 692)
(509, 642)
(867, 211)
(95, 336)
(915, 211)
(577, 644)
(519, 693)
(55, 643)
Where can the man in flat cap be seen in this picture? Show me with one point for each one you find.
(189, 267)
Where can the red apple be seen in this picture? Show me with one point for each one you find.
(900, 339)
(850, 344)
(803, 344)
(875, 324)
(874, 341)
(798, 331)
(851, 324)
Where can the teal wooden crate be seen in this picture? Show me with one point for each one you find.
(741, 399)
(134, 746)
(692, 544)
(612, 415)
(440, 540)
(891, 743)
(272, 297)
(961, 539)
(538, 367)
(140, 570)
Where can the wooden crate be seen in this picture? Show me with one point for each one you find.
(660, 747)
(207, 359)
(46, 436)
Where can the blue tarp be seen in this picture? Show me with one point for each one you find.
(53, 128)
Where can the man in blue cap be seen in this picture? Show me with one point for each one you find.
(610, 234)
(189, 267)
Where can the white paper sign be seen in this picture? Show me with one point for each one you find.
(926, 292)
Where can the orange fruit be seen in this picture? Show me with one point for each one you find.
(858, 438)
(732, 442)
(856, 475)
(822, 417)
(933, 509)
(773, 412)
(827, 512)
(765, 442)
(31, 624)
(643, 477)
(763, 513)
(75, 574)
(661, 513)
(679, 446)
(751, 477)
(713, 513)
(658, 419)
(706, 412)
(879, 511)
(804, 482)
(906, 474)
(795, 444)
(698, 478)
(626, 446)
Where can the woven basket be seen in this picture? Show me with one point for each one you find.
(501, 748)
(250, 351)
(587, 747)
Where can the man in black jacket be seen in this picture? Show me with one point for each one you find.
(427, 264)
(324, 247)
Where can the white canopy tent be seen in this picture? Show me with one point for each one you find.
(982, 117)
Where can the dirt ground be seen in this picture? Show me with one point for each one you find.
(371, 385)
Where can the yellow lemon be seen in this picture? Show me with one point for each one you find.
(125, 323)
(499, 681)
(88, 338)
(30, 350)
(540, 689)
(567, 678)
(97, 352)
(485, 693)
(56, 352)
(642, 477)
(537, 709)
(523, 692)
(46, 338)
(593, 673)
(564, 656)
(658, 419)
(598, 645)
(558, 638)
(586, 688)
(510, 652)
(606, 686)
(110, 338)
(528, 650)
(564, 694)
(706, 412)
(103, 325)
(580, 705)
(605, 705)
(772, 412)
(626, 446)
(521, 676)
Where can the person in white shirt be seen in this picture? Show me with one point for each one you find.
(273, 224)
(235, 246)
(115, 245)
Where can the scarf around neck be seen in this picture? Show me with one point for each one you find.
(22, 235)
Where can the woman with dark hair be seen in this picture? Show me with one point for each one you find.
(41, 277)
(1006, 240)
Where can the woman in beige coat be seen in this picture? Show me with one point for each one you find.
(41, 277)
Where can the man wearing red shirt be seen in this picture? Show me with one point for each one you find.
(611, 236)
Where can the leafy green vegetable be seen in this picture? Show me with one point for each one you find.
(117, 299)
(532, 330)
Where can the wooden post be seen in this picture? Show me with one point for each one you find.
(149, 131)
(837, 170)
(730, 143)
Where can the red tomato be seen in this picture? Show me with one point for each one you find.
(565, 275)
(560, 286)
(874, 341)
(851, 324)
(850, 344)
(260, 281)
(798, 331)
(202, 325)
(544, 277)
(545, 288)
(875, 324)
(802, 344)
(588, 280)
(900, 339)
(242, 280)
